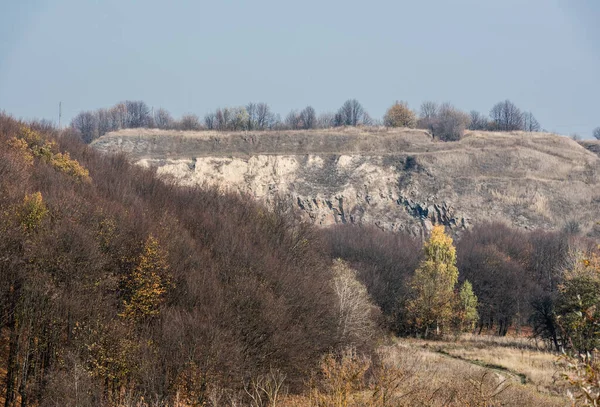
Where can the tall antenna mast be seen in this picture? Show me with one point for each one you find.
(59, 114)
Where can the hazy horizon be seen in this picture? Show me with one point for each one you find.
(190, 57)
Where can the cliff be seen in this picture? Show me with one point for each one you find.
(395, 179)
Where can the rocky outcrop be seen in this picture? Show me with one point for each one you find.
(396, 180)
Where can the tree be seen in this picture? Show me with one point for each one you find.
(137, 114)
(147, 285)
(308, 118)
(355, 313)
(209, 121)
(543, 320)
(264, 117)
(163, 119)
(450, 123)
(478, 121)
(506, 116)
(87, 124)
(293, 121)
(530, 123)
(578, 305)
(466, 315)
(190, 122)
(399, 115)
(431, 305)
(428, 113)
(596, 133)
(351, 114)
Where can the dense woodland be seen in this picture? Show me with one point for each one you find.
(117, 286)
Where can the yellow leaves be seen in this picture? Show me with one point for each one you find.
(431, 306)
(399, 115)
(32, 212)
(32, 144)
(147, 284)
(64, 163)
(22, 149)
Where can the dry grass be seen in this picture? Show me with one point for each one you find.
(471, 371)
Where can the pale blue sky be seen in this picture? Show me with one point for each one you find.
(194, 56)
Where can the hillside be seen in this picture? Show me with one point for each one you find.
(395, 179)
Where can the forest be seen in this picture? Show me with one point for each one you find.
(118, 288)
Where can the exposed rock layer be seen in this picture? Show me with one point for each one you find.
(396, 179)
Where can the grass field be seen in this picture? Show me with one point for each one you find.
(481, 371)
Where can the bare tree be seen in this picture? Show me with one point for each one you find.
(478, 121)
(325, 120)
(428, 113)
(209, 121)
(105, 123)
(351, 113)
(87, 124)
(118, 115)
(264, 117)
(506, 116)
(293, 120)
(596, 133)
(222, 119)
(308, 117)
(450, 123)
(163, 119)
(137, 114)
(190, 122)
(530, 123)
(355, 320)
(429, 110)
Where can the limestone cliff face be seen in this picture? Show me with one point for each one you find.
(396, 180)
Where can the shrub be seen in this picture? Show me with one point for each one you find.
(399, 115)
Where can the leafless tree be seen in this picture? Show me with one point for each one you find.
(87, 124)
(596, 133)
(137, 114)
(325, 120)
(264, 117)
(428, 114)
(190, 122)
(293, 120)
(530, 123)
(308, 117)
(209, 121)
(355, 310)
(450, 123)
(478, 121)
(429, 110)
(506, 116)
(105, 123)
(118, 114)
(351, 113)
(222, 119)
(163, 119)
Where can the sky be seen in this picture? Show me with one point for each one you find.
(194, 56)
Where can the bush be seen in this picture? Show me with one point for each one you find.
(399, 115)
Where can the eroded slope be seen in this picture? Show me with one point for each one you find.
(396, 179)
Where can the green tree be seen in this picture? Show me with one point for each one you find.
(432, 304)
(466, 315)
(578, 305)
